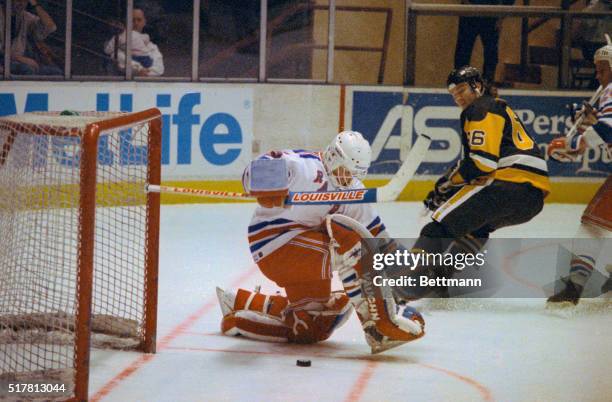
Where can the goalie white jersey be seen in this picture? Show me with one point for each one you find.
(271, 228)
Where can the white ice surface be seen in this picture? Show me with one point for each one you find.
(512, 350)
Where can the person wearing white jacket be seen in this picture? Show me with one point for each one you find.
(147, 60)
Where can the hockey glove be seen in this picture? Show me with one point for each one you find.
(443, 190)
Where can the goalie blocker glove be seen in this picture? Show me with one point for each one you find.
(267, 179)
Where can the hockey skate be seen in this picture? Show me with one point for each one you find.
(570, 293)
(226, 301)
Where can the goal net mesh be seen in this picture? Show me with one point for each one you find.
(40, 241)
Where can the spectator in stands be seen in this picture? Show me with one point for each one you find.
(588, 33)
(28, 32)
(147, 60)
(488, 29)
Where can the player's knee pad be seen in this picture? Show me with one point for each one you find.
(309, 321)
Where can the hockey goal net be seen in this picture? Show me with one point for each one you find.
(78, 245)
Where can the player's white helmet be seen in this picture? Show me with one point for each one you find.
(347, 157)
(604, 54)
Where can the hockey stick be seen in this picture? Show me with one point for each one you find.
(388, 192)
(392, 190)
(592, 101)
(228, 195)
(579, 120)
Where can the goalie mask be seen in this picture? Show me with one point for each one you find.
(346, 158)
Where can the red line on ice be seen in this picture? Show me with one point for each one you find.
(484, 391)
(361, 383)
(364, 377)
(508, 269)
(165, 341)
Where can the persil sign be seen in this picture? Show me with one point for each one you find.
(391, 118)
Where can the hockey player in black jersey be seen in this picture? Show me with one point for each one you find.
(501, 180)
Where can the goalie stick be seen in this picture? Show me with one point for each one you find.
(388, 192)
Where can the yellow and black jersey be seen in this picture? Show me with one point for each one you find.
(497, 145)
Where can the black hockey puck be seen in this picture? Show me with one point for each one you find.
(303, 363)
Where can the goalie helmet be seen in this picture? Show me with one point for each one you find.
(347, 157)
(470, 75)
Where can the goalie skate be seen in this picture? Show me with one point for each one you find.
(226, 301)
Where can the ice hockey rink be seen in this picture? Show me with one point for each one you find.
(506, 350)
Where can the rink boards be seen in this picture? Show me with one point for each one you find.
(211, 131)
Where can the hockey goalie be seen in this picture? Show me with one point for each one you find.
(594, 129)
(299, 247)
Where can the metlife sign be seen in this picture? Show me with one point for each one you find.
(207, 132)
(391, 118)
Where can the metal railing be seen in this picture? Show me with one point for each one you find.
(413, 11)
(267, 28)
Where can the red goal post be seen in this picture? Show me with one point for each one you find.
(79, 242)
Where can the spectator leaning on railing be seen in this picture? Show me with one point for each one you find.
(488, 29)
(147, 60)
(26, 29)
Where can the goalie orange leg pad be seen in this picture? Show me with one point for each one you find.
(312, 321)
(270, 318)
(392, 330)
(257, 316)
(345, 236)
(271, 305)
(254, 326)
(375, 308)
(599, 210)
(302, 266)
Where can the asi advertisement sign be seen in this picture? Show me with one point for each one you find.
(391, 119)
(207, 131)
